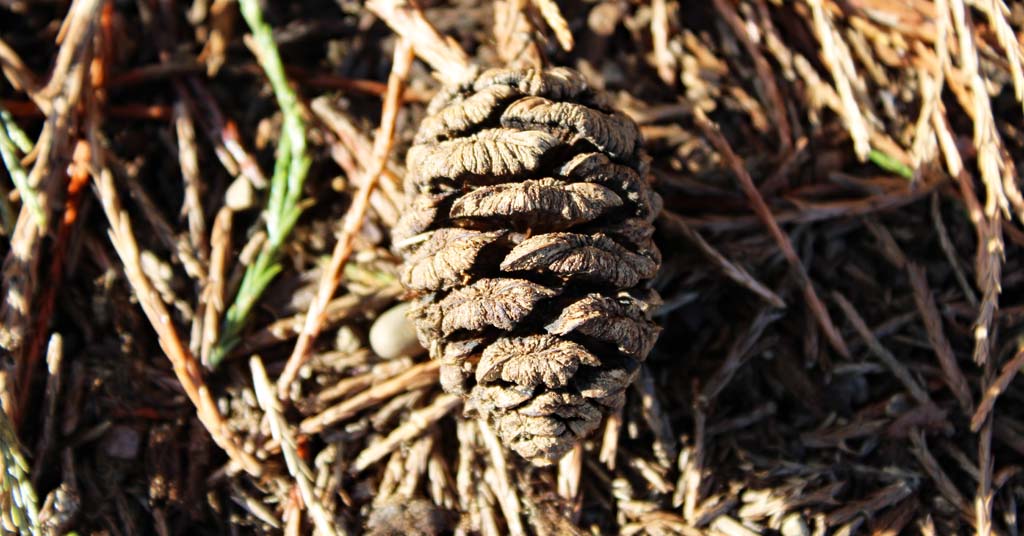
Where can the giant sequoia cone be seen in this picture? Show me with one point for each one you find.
(527, 244)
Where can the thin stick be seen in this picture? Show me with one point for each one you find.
(764, 71)
(415, 424)
(188, 159)
(997, 388)
(186, 368)
(552, 15)
(738, 354)
(407, 20)
(692, 473)
(570, 470)
(984, 496)
(663, 58)
(835, 58)
(77, 181)
(21, 265)
(733, 271)
(898, 369)
(937, 337)
(497, 478)
(761, 209)
(281, 432)
(949, 250)
(991, 167)
(353, 219)
(419, 376)
(212, 293)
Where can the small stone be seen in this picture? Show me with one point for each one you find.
(393, 334)
(121, 442)
(240, 195)
(794, 525)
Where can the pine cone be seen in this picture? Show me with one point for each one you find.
(527, 244)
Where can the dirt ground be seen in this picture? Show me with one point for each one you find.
(196, 213)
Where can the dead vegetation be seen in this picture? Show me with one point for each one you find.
(204, 198)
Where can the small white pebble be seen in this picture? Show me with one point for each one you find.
(393, 335)
(239, 195)
(794, 525)
(121, 442)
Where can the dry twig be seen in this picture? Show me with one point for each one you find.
(331, 276)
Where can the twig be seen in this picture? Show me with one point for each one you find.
(898, 369)
(937, 337)
(354, 153)
(467, 434)
(212, 293)
(331, 276)
(416, 461)
(663, 59)
(570, 470)
(419, 376)
(836, 59)
(765, 72)
(54, 365)
(253, 505)
(878, 500)
(186, 368)
(737, 355)
(732, 271)
(552, 15)
(664, 446)
(497, 477)
(192, 206)
(338, 309)
(992, 168)
(610, 440)
(949, 250)
(443, 55)
(223, 133)
(290, 169)
(59, 100)
(996, 10)
(78, 179)
(999, 386)
(280, 430)
(984, 496)
(692, 462)
(942, 481)
(415, 424)
(764, 213)
(515, 35)
(18, 74)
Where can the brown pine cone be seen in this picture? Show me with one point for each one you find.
(527, 244)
